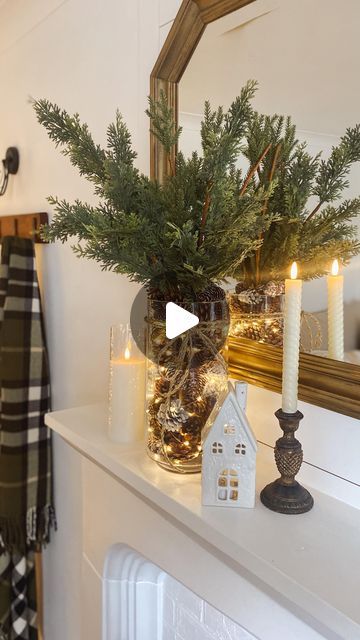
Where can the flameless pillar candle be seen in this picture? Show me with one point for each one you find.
(127, 387)
(291, 346)
(336, 313)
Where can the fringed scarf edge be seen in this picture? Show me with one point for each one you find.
(32, 531)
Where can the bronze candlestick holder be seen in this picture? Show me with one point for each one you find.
(286, 495)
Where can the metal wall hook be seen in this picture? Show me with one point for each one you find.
(10, 167)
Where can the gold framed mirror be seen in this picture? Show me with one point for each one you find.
(322, 381)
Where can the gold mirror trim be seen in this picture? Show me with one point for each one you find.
(322, 382)
(185, 33)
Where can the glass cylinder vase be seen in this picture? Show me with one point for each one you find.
(185, 376)
(126, 386)
(259, 316)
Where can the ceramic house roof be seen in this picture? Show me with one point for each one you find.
(228, 396)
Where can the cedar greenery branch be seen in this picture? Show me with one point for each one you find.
(178, 237)
(207, 221)
(311, 236)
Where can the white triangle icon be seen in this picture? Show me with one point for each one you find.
(178, 320)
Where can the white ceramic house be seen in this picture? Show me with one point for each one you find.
(229, 453)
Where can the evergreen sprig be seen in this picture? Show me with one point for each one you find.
(313, 238)
(207, 221)
(176, 237)
(74, 138)
(163, 124)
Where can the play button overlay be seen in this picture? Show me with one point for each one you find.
(164, 326)
(178, 320)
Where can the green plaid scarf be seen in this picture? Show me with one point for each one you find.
(18, 596)
(26, 502)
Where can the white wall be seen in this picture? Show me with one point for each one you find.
(92, 57)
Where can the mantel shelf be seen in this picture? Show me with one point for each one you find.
(311, 562)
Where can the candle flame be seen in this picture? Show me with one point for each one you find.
(293, 271)
(335, 268)
(127, 353)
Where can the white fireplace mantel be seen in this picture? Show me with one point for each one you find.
(308, 563)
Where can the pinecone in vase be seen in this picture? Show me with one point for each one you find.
(168, 354)
(257, 313)
(215, 379)
(171, 371)
(217, 310)
(157, 338)
(168, 377)
(240, 287)
(198, 357)
(153, 407)
(153, 293)
(264, 297)
(161, 386)
(252, 332)
(212, 293)
(266, 331)
(253, 300)
(274, 289)
(193, 386)
(274, 332)
(172, 416)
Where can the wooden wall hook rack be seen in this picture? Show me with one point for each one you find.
(25, 225)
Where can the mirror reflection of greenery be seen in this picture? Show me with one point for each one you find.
(207, 221)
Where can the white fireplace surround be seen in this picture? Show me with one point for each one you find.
(270, 576)
(142, 602)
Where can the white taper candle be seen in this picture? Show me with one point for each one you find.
(291, 346)
(335, 313)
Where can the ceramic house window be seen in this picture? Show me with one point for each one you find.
(228, 485)
(217, 447)
(240, 449)
(229, 429)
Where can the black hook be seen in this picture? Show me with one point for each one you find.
(10, 167)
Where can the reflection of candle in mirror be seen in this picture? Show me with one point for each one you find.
(292, 317)
(127, 394)
(335, 313)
